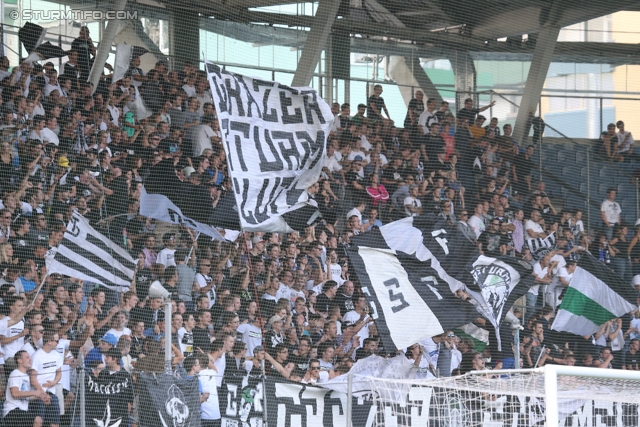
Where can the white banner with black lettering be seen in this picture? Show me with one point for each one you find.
(274, 137)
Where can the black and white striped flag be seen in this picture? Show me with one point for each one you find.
(406, 286)
(540, 246)
(86, 254)
(412, 269)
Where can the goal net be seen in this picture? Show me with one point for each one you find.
(549, 396)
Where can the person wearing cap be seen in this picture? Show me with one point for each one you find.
(107, 342)
(412, 204)
(120, 403)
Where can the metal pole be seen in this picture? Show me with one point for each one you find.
(516, 345)
(167, 338)
(601, 116)
(637, 200)
(83, 421)
(349, 398)
(588, 187)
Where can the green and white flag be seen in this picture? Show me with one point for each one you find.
(596, 294)
(479, 336)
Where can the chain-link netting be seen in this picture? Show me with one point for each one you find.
(213, 213)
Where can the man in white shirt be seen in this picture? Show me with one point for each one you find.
(428, 117)
(48, 132)
(476, 222)
(543, 271)
(252, 334)
(412, 204)
(46, 373)
(12, 338)
(185, 334)
(331, 164)
(625, 140)
(19, 392)
(361, 320)
(119, 323)
(203, 139)
(560, 281)
(610, 213)
(210, 379)
(533, 229)
(166, 256)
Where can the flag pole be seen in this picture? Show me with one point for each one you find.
(44, 279)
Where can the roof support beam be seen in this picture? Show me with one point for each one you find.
(316, 41)
(542, 56)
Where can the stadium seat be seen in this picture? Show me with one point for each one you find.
(566, 157)
(584, 190)
(575, 202)
(607, 173)
(601, 191)
(581, 156)
(570, 172)
(626, 190)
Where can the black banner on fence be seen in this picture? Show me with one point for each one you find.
(243, 404)
(168, 401)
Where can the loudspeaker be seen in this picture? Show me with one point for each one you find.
(156, 290)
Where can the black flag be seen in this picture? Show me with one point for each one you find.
(31, 36)
(169, 402)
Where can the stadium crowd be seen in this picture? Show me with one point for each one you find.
(290, 301)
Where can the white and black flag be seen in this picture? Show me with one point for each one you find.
(124, 54)
(160, 206)
(495, 284)
(86, 254)
(274, 137)
(540, 246)
(419, 264)
(404, 288)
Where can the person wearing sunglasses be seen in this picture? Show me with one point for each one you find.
(312, 376)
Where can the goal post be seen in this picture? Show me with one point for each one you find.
(552, 396)
(553, 372)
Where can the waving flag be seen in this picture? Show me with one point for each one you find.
(596, 294)
(274, 137)
(86, 254)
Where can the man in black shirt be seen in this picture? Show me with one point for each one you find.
(491, 243)
(344, 298)
(521, 170)
(632, 358)
(469, 113)
(86, 51)
(118, 379)
(325, 299)
(433, 142)
(201, 338)
(375, 105)
(415, 108)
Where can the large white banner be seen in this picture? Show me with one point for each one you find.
(274, 137)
